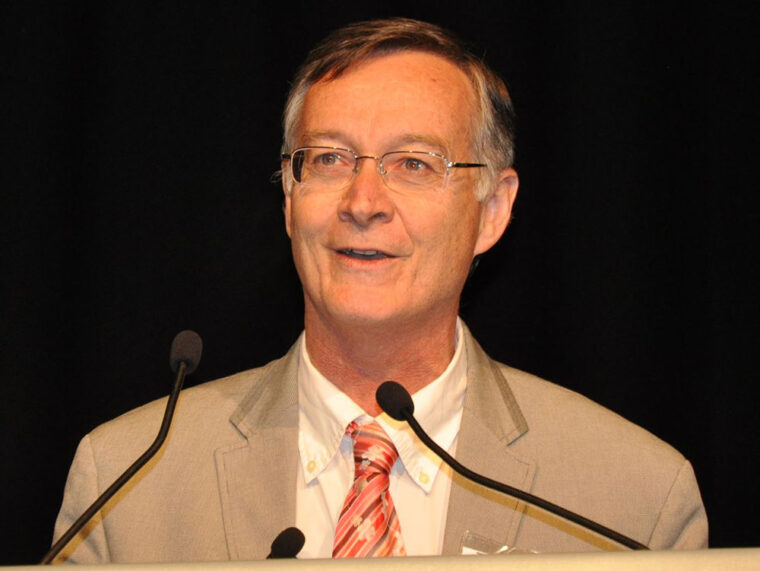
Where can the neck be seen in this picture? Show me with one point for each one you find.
(357, 358)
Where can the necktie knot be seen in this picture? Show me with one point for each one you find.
(374, 452)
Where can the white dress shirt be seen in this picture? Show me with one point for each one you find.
(419, 484)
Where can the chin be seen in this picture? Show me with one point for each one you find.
(366, 316)
(367, 307)
(367, 313)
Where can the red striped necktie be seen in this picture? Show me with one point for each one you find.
(368, 524)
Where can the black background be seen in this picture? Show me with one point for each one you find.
(138, 142)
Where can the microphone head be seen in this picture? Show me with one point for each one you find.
(394, 399)
(187, 346)
(287, 544)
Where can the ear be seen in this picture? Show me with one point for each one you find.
(286, 207)
(496, 210)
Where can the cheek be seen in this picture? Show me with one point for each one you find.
(303, 219)
(308, 225)
(287, 212)
(447, 241)
(455, 226)
(304, 254)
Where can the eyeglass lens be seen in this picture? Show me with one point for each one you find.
(330, 168)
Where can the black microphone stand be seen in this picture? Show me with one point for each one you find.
(121, 480)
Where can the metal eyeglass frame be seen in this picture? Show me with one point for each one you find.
(381, 169)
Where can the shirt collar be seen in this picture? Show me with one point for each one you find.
(325, 411)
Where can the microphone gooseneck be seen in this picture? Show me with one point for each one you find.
(287, 544)
(184, 357)
(401, 407)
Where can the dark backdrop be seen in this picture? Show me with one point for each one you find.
(137, 149)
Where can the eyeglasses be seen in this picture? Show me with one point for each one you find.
(331, 168)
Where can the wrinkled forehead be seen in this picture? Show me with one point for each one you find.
(404, 91)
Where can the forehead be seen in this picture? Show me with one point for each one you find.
(392, 98)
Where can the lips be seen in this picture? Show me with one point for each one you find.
(364, 254)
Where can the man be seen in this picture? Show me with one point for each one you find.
(397, 173)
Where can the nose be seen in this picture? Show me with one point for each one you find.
(366, 200)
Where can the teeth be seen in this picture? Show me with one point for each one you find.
(375, 254)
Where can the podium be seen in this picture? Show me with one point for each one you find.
(707, 559)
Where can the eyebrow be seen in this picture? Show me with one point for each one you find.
(314, 137)
(338, 138)
(418, 138)
(311, 136)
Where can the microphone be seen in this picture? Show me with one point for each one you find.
(186, 348)
(184, 357)
(395, 400)
(287, 544)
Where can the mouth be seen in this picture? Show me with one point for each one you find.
(364, 254)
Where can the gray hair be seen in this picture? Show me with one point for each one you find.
(356, 43)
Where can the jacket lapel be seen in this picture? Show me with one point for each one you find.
(491, 421)
(257, 478)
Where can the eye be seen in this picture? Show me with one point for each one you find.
(327, 159)
(414, 164)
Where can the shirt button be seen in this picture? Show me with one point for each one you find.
(424, 478)
(311, 465)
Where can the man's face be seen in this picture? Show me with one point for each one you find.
(425, 240)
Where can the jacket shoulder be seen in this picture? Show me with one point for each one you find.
(204, 409)
(553, 409)
(594, 461)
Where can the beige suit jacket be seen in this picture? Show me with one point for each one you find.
(223, 486)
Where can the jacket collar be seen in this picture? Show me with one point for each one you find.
(257, 477)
